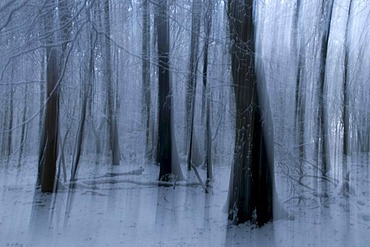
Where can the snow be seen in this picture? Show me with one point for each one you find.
(126, 207)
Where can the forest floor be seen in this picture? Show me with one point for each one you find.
(124, 206)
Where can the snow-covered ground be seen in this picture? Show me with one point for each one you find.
(123, 206)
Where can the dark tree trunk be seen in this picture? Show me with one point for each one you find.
(165, 125)
(206, 105)
(322, 118)
(346, 127)
(55, 60)
(346, 131)
(9, 121)
(251, 181)
(49, 154)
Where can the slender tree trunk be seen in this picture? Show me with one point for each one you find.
(300, 99)
(345, 115)
(346, 131)
(146, 79)
(300, 96)
(86, 85)
(193, 152)
(208, 157)
(8, 122)
(207, 29)
(322, 118)
(24, 126)
(9, 117)
(206, 97)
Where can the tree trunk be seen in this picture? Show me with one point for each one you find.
(346, 122)
(322, 118)
(50, 150)
(206, 97)
(24, 126)
(346, 131)
(7, 151)
(300, 99)
(165, 114)
(55, 60)
(112, 113)
(146, 79)
(251, 181)
(85, 92)
(192, 83)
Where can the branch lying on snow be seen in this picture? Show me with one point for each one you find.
(95, 182)
(113, 178)
(116, 174)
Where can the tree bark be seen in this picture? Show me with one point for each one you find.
(50, 150)
(112, 113)
(251, 181)
(322, 118)
(193, 152)
(206, 97)
(166, 154)
(55, 60)
(146, 79)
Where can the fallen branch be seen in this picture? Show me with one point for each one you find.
(199, 178)
(100, 181)
(116, 174)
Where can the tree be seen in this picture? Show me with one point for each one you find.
(167, 153)
(251, 181)
(193, 151)
(85, 95)
(112, 113)
(345, 113)
(49, 141)
(8, 120)
(346, 134)
(206, 99)
(146, 79)
(322, 136)
(24, 126)
(300, 99)
(54, 74)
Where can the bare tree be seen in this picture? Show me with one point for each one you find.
(345, 113)
(206, 97)
(55, 61)
(322, 117)
(300, 99)
(251, 180)
(146, 79)
(193, 151)
(167, 153)
(85, 98)
(112, 113)
(23, 136)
